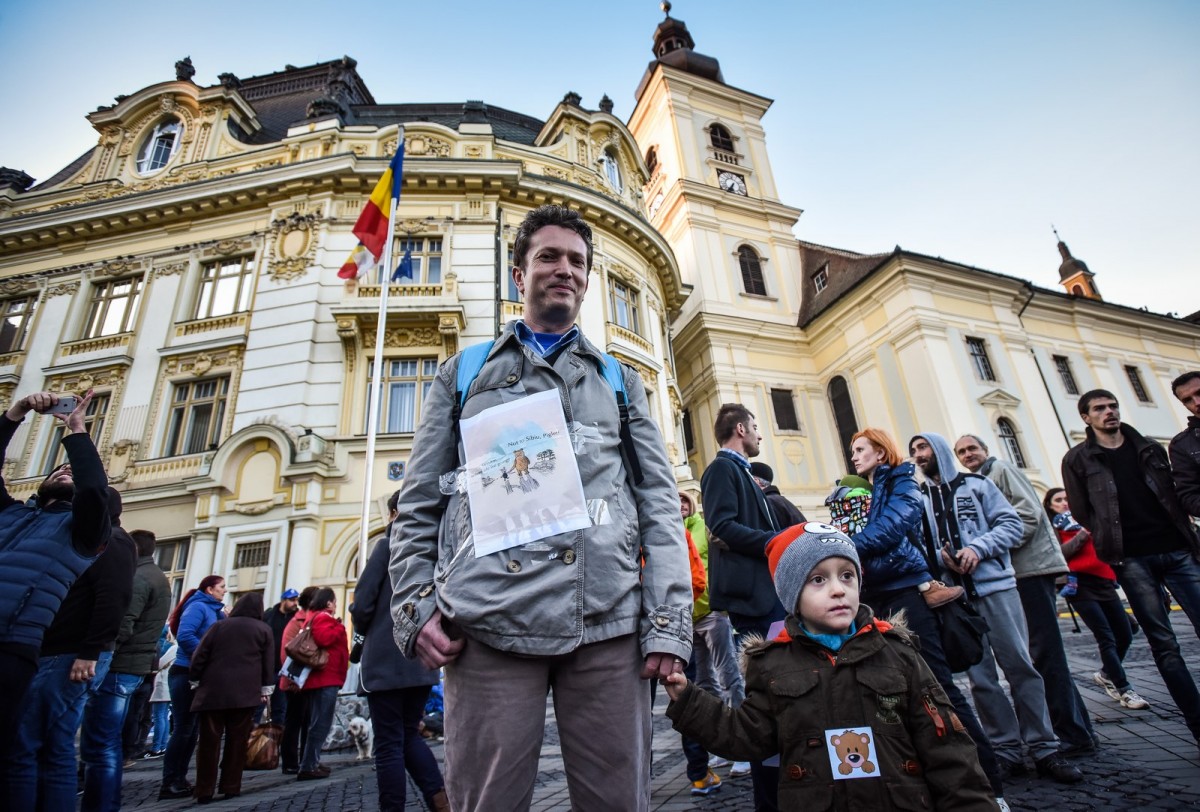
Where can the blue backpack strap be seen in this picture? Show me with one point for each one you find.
(616, 380)
(470, 362)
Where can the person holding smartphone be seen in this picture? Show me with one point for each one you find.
(44, 546)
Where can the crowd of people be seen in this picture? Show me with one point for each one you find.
(801, 653)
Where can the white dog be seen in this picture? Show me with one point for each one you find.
(362, 733)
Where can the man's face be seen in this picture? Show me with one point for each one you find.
(289, 605)
(751, 439)
(59, 485)
(1103, 414)
(554, 278)
(685, 506)
(1189, 396)
(923, 456)
(970, 453)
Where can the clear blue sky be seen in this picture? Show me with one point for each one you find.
(959, 129)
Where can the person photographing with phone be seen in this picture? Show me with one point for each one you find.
(45, 544)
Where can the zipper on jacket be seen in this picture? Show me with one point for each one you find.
(932, 710)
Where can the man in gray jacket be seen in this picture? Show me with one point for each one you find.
(589, 613)
(1037, 560)
(970, 527)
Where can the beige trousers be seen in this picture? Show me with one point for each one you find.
(495, 719)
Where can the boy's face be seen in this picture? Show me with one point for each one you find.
(829, 599)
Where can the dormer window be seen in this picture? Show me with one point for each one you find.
(821, 278)
(160, 146)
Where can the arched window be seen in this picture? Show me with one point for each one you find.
(1012, 445)
(843, 416)
(752, 274)
(611, 170)
(160, 146)
(720, 138)
(651, 160)
(1077, 290)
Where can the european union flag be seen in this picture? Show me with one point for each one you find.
(404, 268)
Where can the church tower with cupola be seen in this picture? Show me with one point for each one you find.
(712, 194)
(1073, 274)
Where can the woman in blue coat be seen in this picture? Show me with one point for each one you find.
(200, 608)
(896, 574)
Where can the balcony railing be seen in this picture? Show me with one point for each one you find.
(87, 345)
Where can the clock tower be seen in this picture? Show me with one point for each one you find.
(712, 194)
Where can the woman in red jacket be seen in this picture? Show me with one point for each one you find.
(321, 688)
(1096, 600)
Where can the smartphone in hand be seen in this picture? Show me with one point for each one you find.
(66, 404)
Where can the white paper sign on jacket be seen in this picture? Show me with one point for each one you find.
(522, 479)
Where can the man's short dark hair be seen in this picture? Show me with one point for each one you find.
(393, 501)
(1185, 378)
(1085, 400)
(550, 215)
(728, 417)
(144, 540)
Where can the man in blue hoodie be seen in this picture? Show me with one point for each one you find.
(970, 528)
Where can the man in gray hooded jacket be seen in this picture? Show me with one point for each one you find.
(1037, 560)
(970, 528)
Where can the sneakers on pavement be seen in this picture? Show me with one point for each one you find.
(1107, 684)
(739, 769)
(938, 594)
(716, 762)
(707, 785)
(1057, 768)
(169, 791)
(1131, 699)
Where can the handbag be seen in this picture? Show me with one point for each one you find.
(262, 751)
(962, 630)
(303, 649)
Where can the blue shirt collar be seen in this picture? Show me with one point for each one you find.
(543, 343)
(736, 457)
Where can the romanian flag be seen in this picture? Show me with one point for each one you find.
(372, 226)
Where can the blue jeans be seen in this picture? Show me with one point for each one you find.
(716, 660)
(1110, 626)
(1143, 578)
(399, 747)
(183, 737)
(41, 758)
(160, 725)
(322, 704)
(100, 742)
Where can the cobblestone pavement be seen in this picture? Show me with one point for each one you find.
(1147, 759)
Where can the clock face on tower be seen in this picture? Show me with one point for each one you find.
(732, 182)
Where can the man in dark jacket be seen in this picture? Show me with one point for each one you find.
(740, 524)
(1119, 486)
(277, 618)
(133, 661)
(1185, 446)
(40, 763)
(45, 544)
(785, 513)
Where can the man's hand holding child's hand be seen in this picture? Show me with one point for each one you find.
(676, 683)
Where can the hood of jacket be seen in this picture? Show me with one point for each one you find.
(943, 454)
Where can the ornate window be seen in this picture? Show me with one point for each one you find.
(425, 255)
(160, 146)
(1012, 445)
(977, 347)
(612, 169)
(752, 273)
(1135, 380)
(623, 301)
(225, 287)
(252, 554)
(405, 384)
(722, 144)
(651, 160)
(114, 307)
(15, 315)
(196, 417)
(94, 420)
(843, 416)
(1063, 364)
(784, 404)
(171, 555)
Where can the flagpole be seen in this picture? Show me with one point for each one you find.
(377, 369)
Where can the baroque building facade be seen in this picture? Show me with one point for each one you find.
(184, 268)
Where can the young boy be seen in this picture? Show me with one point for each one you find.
(855, 714)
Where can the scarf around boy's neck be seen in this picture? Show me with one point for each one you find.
(833, 642)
